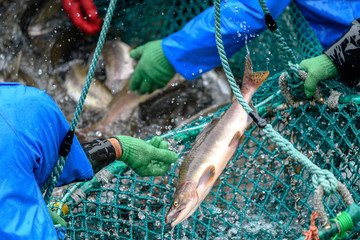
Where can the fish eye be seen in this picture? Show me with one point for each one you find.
(176, 204)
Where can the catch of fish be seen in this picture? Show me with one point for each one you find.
(213, 148)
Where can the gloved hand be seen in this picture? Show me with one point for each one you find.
(146, 159)
(83, 14)
(153, 71)
(318, 68)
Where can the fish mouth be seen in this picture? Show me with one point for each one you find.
(176, 222)
(171, 216)
(179, 216)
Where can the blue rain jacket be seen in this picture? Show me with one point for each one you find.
(193, 50)
(32, 128)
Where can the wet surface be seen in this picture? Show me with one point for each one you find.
(40, 48)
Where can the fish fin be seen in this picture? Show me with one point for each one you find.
(235, 140)
(254, 79)
(251, 80)
(248, 67)
(207, 176)
(259, 77)
(248, 70)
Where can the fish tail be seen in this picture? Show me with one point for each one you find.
(252, 80)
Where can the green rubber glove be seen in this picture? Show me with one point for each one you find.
(146, 159)
(153, 71)
(57, 219)
(318, 68)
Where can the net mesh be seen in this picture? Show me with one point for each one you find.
(262, 193)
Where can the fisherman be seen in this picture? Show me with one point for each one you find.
(32, 129)
(192, 50)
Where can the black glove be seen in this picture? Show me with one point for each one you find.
(345, 54)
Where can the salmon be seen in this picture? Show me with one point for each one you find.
(213, 148)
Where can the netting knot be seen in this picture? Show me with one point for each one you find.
(313, 231)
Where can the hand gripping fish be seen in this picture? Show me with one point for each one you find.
(212, 149)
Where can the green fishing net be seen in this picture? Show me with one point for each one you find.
(262, 193)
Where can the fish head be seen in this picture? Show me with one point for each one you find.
(186, 201)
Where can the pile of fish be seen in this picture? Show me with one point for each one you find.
(41, 48)
(121, 109)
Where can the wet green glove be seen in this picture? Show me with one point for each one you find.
(318, 68)
(147, 159)
(153, 71)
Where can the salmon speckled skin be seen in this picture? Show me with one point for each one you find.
(212, 149)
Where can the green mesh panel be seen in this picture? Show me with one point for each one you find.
(257, 194)
(137, 22)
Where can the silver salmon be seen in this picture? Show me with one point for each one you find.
(212, 149)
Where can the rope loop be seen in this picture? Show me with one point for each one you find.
(287, 92)
(319, 206)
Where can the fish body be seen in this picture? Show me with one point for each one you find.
(43, 19)
(119, 66)
(98, 97)
(124, 104)
(212, 149)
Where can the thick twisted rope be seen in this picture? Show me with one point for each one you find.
(288, 58)
(50, 183)
(320, 176)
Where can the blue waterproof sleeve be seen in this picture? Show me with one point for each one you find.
(192, 50)
(32, 128)
(329, 19)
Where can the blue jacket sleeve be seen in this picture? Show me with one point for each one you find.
(192, 50)
(50, 127)
(33, 128)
